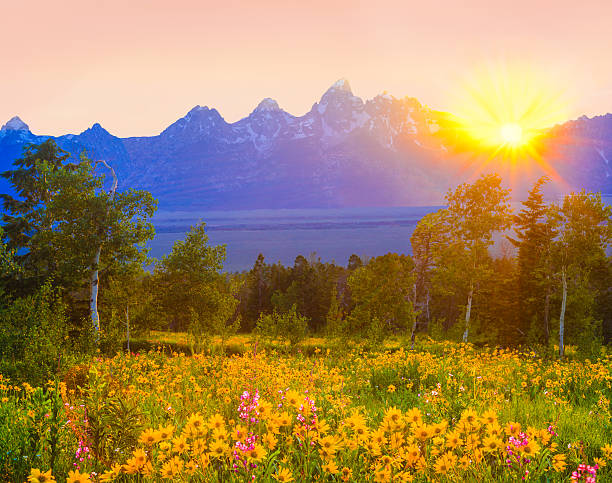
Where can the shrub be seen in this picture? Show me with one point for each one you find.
(289, 326)
(34, 432)
(33, 336)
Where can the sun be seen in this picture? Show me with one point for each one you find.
(511, 134)
(502, 111)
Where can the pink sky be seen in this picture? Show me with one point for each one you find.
(137, 66)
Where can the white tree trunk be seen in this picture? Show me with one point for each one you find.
(93, 299)
(127, 325)
(427, 308)
(414, 320)
(562, 316)
(468, 310)
(95, 282)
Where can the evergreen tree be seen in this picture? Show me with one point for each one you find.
(534, 234)
(335, 326)
(498, 312)
(26, 215)
(354, 262)
(381, 291)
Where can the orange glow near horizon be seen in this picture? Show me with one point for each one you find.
(501, 114)
(135, 67)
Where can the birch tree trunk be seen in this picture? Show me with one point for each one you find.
(127, 325)
(562, 316)
(427, 308)
(414, 320)
(93, 298)
(95, 281)
(468, 310)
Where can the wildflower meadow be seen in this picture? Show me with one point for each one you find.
(446, 365)
(320, 411)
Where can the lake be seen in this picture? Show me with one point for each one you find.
(281, 235)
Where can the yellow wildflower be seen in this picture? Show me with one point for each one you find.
(559, 462)
(331, 467)
(149, 437)
(283, 474)
(37, 476)
(77, 477)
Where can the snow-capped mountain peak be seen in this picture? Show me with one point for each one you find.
(199, 121)
(97, 128)
(267, 104)
(200, 111)
(15, 124)
(341, 85)
(339, 92)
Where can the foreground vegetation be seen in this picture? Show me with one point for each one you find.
(444, 412)
(110, 372)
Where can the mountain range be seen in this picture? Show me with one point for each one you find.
(344, 152)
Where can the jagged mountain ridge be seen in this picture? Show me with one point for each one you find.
(343, 152)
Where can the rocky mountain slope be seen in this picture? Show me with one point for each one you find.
(343, 152)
